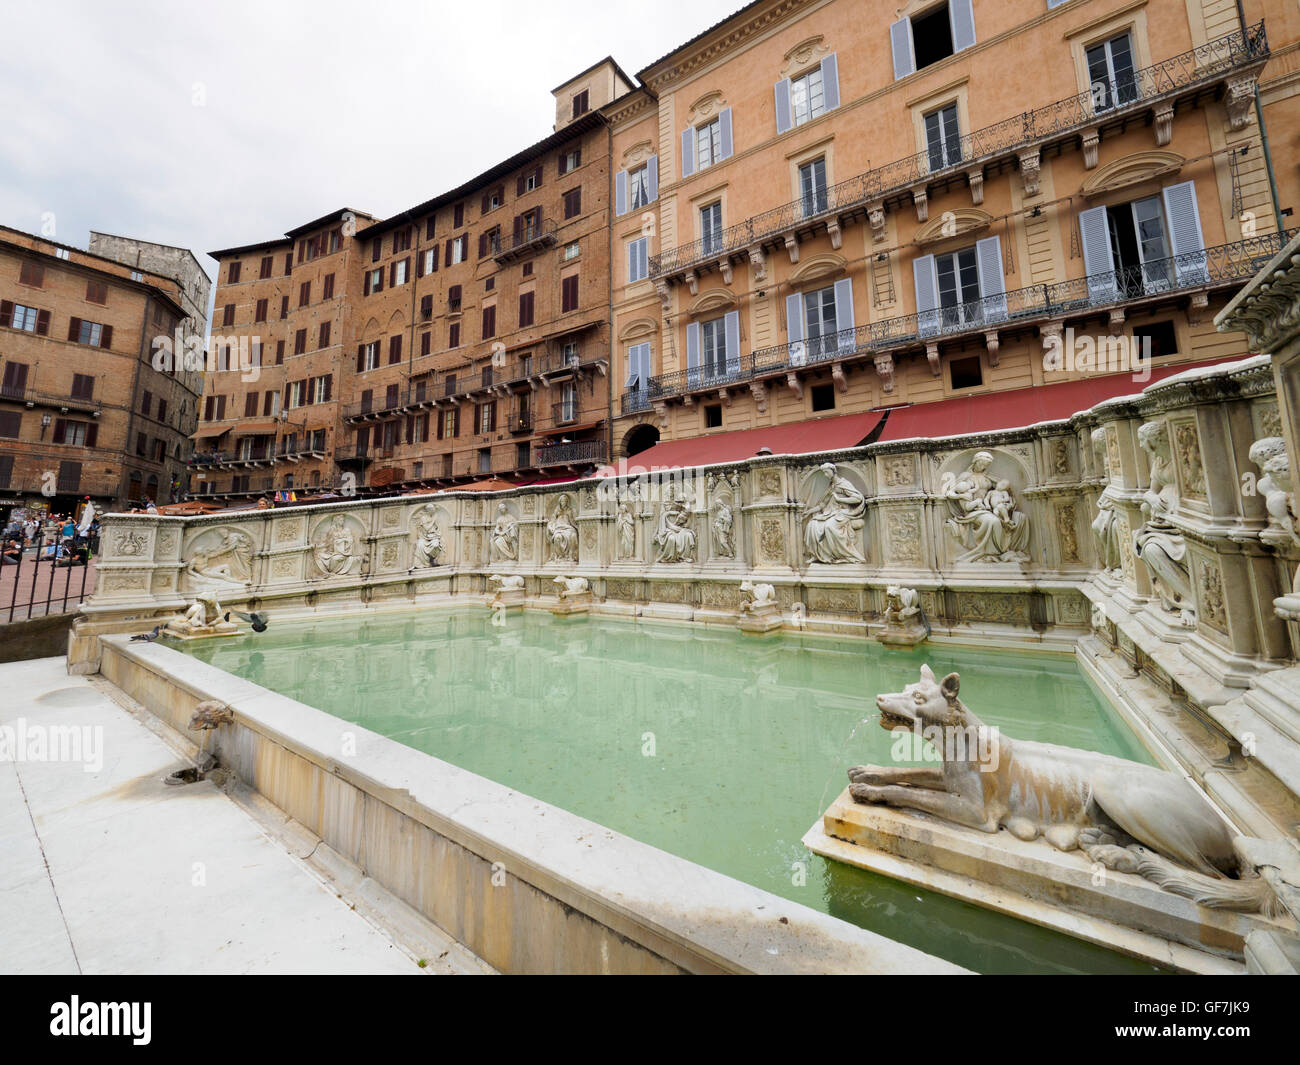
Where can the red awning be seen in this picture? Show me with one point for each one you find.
(794, 438)
(1018, 407)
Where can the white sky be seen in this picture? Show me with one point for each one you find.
(308, 106)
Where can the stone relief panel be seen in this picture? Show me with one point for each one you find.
(674, 539)
(1058, 456)
(168, 539)
(562, 532)
(1211, 607)
(897, 472)
(834, 601)
(771, 541)
(288, 531)
(625, 527)
(1158, 543)
(835, 508)
(769, 482)
(1187, 448)
(616, 589)
(724, 506)
(427, 529)
(719, 596)
(337, 547)
(1067, 532)
(218, 558)
(903, 537)
(999, 607)
(131, 543)
(983, 519)
(503, 541)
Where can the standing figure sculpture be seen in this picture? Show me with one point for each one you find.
(983, 518)
(1105, 526)
(426, 537)
(724, 537)
(1158, 543)
(504, 545)
(625, 525)
(562, 532)
(834, 522)
(674, 538)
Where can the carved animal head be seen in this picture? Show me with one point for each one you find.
(928, 702)
(209, 714)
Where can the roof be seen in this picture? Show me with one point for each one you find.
(699, 37)
(1017, 407)
(292, 234)
(584, 124)
(489, 484)
(793, 438)
(631, 82)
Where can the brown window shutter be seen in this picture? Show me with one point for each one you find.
(428, 228)
(519, 229)
(563, 168)
(361, 358)
(426, 305)
(92, 434)
(366, 285)
(42, 323)
(448, 261)
(519, 185)
(435, 259)
(74, 328)
(106, 337)
(329, 386)
(419, 266)
(392, 274)
(6, 312)
(537, 176)
(376, 249)
(482, 245)
(483, 209)
(60, 429)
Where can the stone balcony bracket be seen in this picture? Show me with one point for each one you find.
(991, 343)
(796, 386)
(792, 247)
(921, 198)
(932, 357)
(835, 233)
(837, 375)
(976, 178)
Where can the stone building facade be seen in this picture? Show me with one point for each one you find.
(83, 410)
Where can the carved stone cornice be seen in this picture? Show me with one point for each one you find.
(1267, 309)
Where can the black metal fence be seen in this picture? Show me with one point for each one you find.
(51, 575)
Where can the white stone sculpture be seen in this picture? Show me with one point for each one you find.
(1158, 543)
(426, 536)
(724, 535)
(509, 583)
(834, 521)
(1121, 814)
(504, 545)
(562, 532)
(201, 618)
(674, 538)
(1277, 488)
(905, 624)
(572, 587)
(756, 598)
(335, 551)
(509, 593)
(983, 517)
(625, 529)
(227, 562)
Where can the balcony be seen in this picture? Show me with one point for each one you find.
(521, 422)
(54, 401)
(530, 240)
(1194, 274)
(579, 453)
(295, 451)
(374, 410)
(357, 455)
(564, 413)
(1202, 71)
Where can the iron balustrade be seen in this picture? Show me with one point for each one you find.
(1209, 268)
(569, 454)
(34, 398)
(507, 245)
(31, 573)
(1199, 66)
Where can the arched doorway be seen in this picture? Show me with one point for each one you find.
(133, 491)
(151, 488)
(639, 438)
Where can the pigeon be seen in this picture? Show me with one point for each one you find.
(147, 637)
(256, 619)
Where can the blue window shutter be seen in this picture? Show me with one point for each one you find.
(900, 40)
(732, 330)
(1185, 238)
(632, 258)
(794, 328)
(831, 82)
(620, 192)
(724, 129)
(693, 354)
(927, 295)
(643, 254)
(652, 178)
(688, 152)
(962, 17)
(844, 323)
(988, 256)
(782, 91)
(1098, 263)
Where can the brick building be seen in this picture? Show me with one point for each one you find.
(82, 409)
(464, 338)
(828, 208)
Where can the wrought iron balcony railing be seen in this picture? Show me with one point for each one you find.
(1199, 66)
(510, 245)
(1213, 267)
(54, 400)
(570, 454)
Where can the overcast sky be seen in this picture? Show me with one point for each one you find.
(217, 124)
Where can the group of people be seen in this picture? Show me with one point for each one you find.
(53, 537)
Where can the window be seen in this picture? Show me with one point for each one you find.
(141, 441)
(711, 228)
(28, 319)
(569, 402)
(92, 333)
(228, 314)
(489, 284)
(713, 415)
(489, 243)
(531, 181)
(523, 455)
(10, 423)
(638, 367)
(456, 249)
(820, 321)
(942, 140)
(573, 203)
(965, 373)
(458, 216)
(430, 260)
(96, 292)
(259, 315)
(528, 270)
(375, 280)
(713, 347)
(398, 271)
(83, 387)
(572, 251)
(401, 240)
(294, 390)
(570, 161)
(250, 405)
(70, 477)
(32, 274)
(1146, 246)
(265, 270)
(959, 287)
(14, 384)
(328, 287)
(324, 335)
(162, 410)
(453, 335)
(525, 309)
(823, 397)
(569, 294)
(638, 263)
(1160, 336)
(394, 349)
(926, 38)
(812, 187)
(489, 322)
(580, 105)
(708, 144)
(487, 417)
(288, 264)
(304, 294)
(300, 342)
(807, 100)
(62, 253)
(638, 181)
(1110, 73)
(284, 307)
(79, 434)
(232, 274)
(320, 389)
(279, 352)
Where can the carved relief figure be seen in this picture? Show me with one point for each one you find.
(1105, 526)
(228, 561)
(562, 532)
(835, 519)
(625, 529)
(426, 537)
(1158, 543)
(674, 537)
(335, 551)
(1269, 454)
(983, 516)
(1123, 814)
(504, 545)
(724, 540)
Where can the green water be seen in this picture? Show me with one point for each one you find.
(715, 746)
